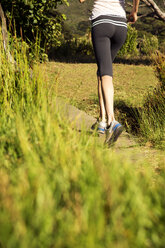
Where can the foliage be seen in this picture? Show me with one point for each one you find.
(152, 122)
(32, 18)
(160, 66)
(18, 87)
(151, 26)
(149, 44)
(147, 121)
(77, 49)
(78, 14)
(60, 188)
(162, 47)
(133, 47)
(130, 46)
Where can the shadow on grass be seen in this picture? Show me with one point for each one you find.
(85, 59)
(71, 57)
(128, 116)
(134, 60)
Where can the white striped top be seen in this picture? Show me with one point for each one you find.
(120, 23)
(108, 7)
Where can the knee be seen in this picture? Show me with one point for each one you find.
(105, 71)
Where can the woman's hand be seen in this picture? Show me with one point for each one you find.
(81, 1)
(132, 17)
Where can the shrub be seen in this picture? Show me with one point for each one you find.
(160, 66)
(149, 44)
(80, 47)
(130, 46)
(162, 47)
(32, 17)
(74, 49)
(85, 46)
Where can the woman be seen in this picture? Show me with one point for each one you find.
(109, 31)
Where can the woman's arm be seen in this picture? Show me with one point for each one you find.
(133, 16)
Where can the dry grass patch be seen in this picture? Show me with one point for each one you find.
(77, 83)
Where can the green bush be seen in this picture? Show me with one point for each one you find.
(80, 47)
(85, 46)
(149, 44)
(162, 47)
(74, 49)
(32, 17)
(130, 46)
(160, 66)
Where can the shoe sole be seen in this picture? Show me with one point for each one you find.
(100, 130)
(115, 135)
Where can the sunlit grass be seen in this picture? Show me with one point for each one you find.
(78, 83)
(133, 86)
(152, 123)
(61, 188)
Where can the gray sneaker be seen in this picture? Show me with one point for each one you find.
(100, 126)
(113, 132)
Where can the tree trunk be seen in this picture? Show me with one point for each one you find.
(155, 8)
(5, 35)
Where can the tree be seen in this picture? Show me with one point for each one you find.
(5, 34)
(3, 27)
(155, 9)
(35, 17)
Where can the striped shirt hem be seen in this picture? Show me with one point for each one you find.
(117, 23)
(108, 15)
(112, 20)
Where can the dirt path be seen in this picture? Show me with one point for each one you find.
(127, 145)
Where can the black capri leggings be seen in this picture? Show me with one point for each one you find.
(108, 35)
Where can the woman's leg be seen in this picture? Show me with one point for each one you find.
(107, 40)
(108, 96)
(101, 101)
(102, 48)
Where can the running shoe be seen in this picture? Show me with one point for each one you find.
(100, 126)
(113, 132)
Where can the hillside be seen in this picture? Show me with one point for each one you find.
(77, 22)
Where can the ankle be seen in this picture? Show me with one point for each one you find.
(110, 120)
(103, 120)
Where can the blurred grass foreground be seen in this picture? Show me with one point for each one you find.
(59, 188)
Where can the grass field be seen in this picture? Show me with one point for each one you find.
(77, 84)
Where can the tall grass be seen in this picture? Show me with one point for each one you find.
(152, 121)
(60, 188)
